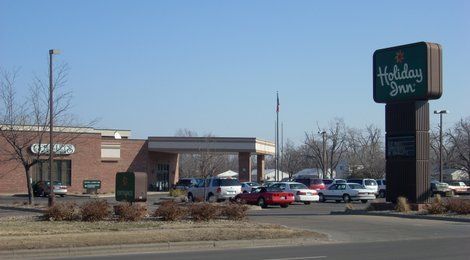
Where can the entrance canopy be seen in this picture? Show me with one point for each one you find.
(210, 144)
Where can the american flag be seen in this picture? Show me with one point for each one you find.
(277, 105)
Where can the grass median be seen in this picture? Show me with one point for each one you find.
(33, 234)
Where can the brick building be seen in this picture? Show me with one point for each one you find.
(98, 154)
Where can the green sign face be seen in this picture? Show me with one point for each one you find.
(125, 186)
(92, 184)
(407, 72)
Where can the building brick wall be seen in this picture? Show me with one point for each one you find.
(86, 163)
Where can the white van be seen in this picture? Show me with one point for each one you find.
(369, 184)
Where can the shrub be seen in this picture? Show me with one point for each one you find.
(437, 206)
(402, 205)
(95, 210)
(67, 211)
(170, 211)
(177, 193)
(204, 211)
(458, 206)
(130, 212)
(235, 211)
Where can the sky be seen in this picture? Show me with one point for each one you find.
(154, 67)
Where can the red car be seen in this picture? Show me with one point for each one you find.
(312, 183)
(264, 196)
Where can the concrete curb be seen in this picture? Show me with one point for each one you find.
(155, 248)
(428, 217)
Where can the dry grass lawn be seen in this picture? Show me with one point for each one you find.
(33, 234)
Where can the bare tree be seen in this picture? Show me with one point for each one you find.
(335, 146)
(292, 158)
(459, 137)
(366, 153)
(25, 121)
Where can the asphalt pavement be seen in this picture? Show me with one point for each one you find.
(446, 248)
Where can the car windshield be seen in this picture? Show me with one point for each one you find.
(297, 186)
(226, 182)
(55, 182)
(273, 189)
(370, 183)
(355, 186)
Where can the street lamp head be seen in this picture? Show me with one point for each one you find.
(54, 51)
(441, 111)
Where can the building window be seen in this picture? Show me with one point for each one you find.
(61, 171)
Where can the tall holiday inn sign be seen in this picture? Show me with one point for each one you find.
(407, 73)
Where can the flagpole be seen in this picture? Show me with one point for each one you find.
(277, 137)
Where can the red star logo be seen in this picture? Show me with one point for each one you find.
(400, 56)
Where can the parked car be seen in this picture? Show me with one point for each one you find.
(382, 187)
(459, 187)
(369, 184)
(301, 192)
(265, 196)
(329, 182)
(214, 189)
(346, 192)
(441, 188)
(185, 183)
(42, 188)
(268, 183)
(247, 187)
(312, 183)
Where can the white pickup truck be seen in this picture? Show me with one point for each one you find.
(214, 189)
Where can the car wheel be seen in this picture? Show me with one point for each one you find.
(238, 199)
(337, 201)
(211, 198)
(307, 202)
(382, 194)
(62, 195)
(190, 197)
(245, 191)
(262, 203)
(346, 198)
(321, 197)
(364, 201)
(284, 205)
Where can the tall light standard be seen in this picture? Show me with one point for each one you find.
(324, 159)
(51, 125)
(440, 112)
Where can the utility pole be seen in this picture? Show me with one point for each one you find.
(51, 125)
(324, 159)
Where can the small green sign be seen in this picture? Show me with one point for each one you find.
(125, 186)
(92, 184)
(407, 72)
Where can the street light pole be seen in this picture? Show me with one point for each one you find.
(51, 125)
(440, 112)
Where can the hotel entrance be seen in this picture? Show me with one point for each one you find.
(162, 173)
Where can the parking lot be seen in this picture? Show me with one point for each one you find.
(9, 202)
